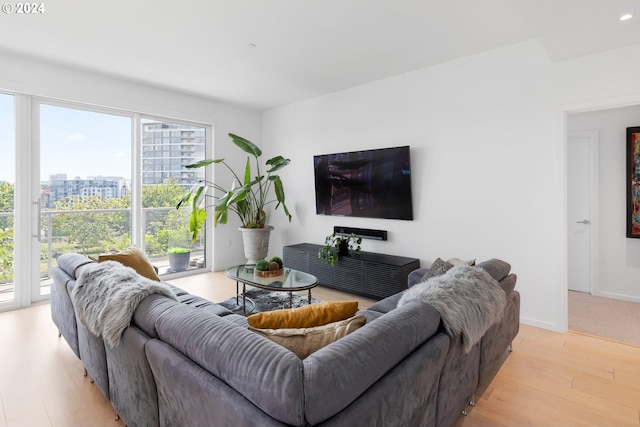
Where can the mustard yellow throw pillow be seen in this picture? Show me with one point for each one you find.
(306, 316)
(304, 341)
(134, 258)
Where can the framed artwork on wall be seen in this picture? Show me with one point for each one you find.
(633, 182)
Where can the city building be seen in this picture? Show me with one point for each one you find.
(60, 187)
(167, 148)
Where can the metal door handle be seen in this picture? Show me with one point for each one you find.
(38, 221)
(584, 221)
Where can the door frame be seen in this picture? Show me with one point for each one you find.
(593, 137)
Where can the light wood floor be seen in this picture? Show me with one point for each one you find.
(550, 379)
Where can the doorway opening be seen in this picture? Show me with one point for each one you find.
(603, 266)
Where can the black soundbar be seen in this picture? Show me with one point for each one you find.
(365, 233)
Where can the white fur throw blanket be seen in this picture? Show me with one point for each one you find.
(468, 298)
(107, 294)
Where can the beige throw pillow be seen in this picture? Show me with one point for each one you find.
(304, 341)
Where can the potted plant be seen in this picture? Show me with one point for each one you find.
(337, 245)
(271, 268)
(247, 197)
(179, 258)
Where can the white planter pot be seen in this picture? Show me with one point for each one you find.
(256, 243)
(180, 261)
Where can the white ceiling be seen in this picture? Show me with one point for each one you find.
(303, 48)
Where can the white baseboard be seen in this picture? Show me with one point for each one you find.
(541, 324)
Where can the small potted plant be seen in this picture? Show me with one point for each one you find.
(271, 268)
(179, 258)
(337, 245)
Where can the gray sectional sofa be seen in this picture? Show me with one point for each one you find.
(192, 362)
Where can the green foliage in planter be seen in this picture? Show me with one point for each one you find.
(278, 260)
(247, 196)
(334, 244)
(262, 265)
(178, 250)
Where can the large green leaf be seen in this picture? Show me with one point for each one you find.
(247, 173)
(238, 195)
(223, 202)
(279, 190)
(195, 202)
(246, 145)
(277, 187)
(203, 163)
(196, 220)
(220, 217)
(277, 163)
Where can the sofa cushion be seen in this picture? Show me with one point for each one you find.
(497, 268)
(387, 304)
(71, 262)
(134, 258)
(370, 315)
(438, 268)
(306, 316)
(304, 341)
(458, 261)
(508, 284)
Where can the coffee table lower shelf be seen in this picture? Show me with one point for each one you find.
(290, 281)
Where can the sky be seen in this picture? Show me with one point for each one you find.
(7, 138)
(83, 143)
(73, 142)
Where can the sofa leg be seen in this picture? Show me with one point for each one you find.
(84, 373)
(59, 334)
(472, 400)
(464, 412)
(117, 416)
(510, 348)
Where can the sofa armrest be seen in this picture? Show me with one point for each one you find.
(416, 276)
(71, 262)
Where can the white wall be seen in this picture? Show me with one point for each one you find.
(618, 262)
(23, 75)
(488, 143)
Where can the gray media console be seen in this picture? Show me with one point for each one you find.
(368, 274)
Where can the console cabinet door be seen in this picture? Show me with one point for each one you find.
(320, 269)
(296, 259)
(382, 280)
(349, 275)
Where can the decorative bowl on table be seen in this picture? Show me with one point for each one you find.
(268, 273)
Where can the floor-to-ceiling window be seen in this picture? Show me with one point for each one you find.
(93, 184)
(167, 147)
(7, 185)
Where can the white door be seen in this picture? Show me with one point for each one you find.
(582, 158)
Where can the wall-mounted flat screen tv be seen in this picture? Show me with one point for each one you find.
(369, 183)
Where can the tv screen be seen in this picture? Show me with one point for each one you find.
(369, 183)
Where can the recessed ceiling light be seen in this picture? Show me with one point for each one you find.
(626, 17)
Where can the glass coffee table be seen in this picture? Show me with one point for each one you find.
(290, 281)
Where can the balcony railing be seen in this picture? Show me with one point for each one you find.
(92, 232)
